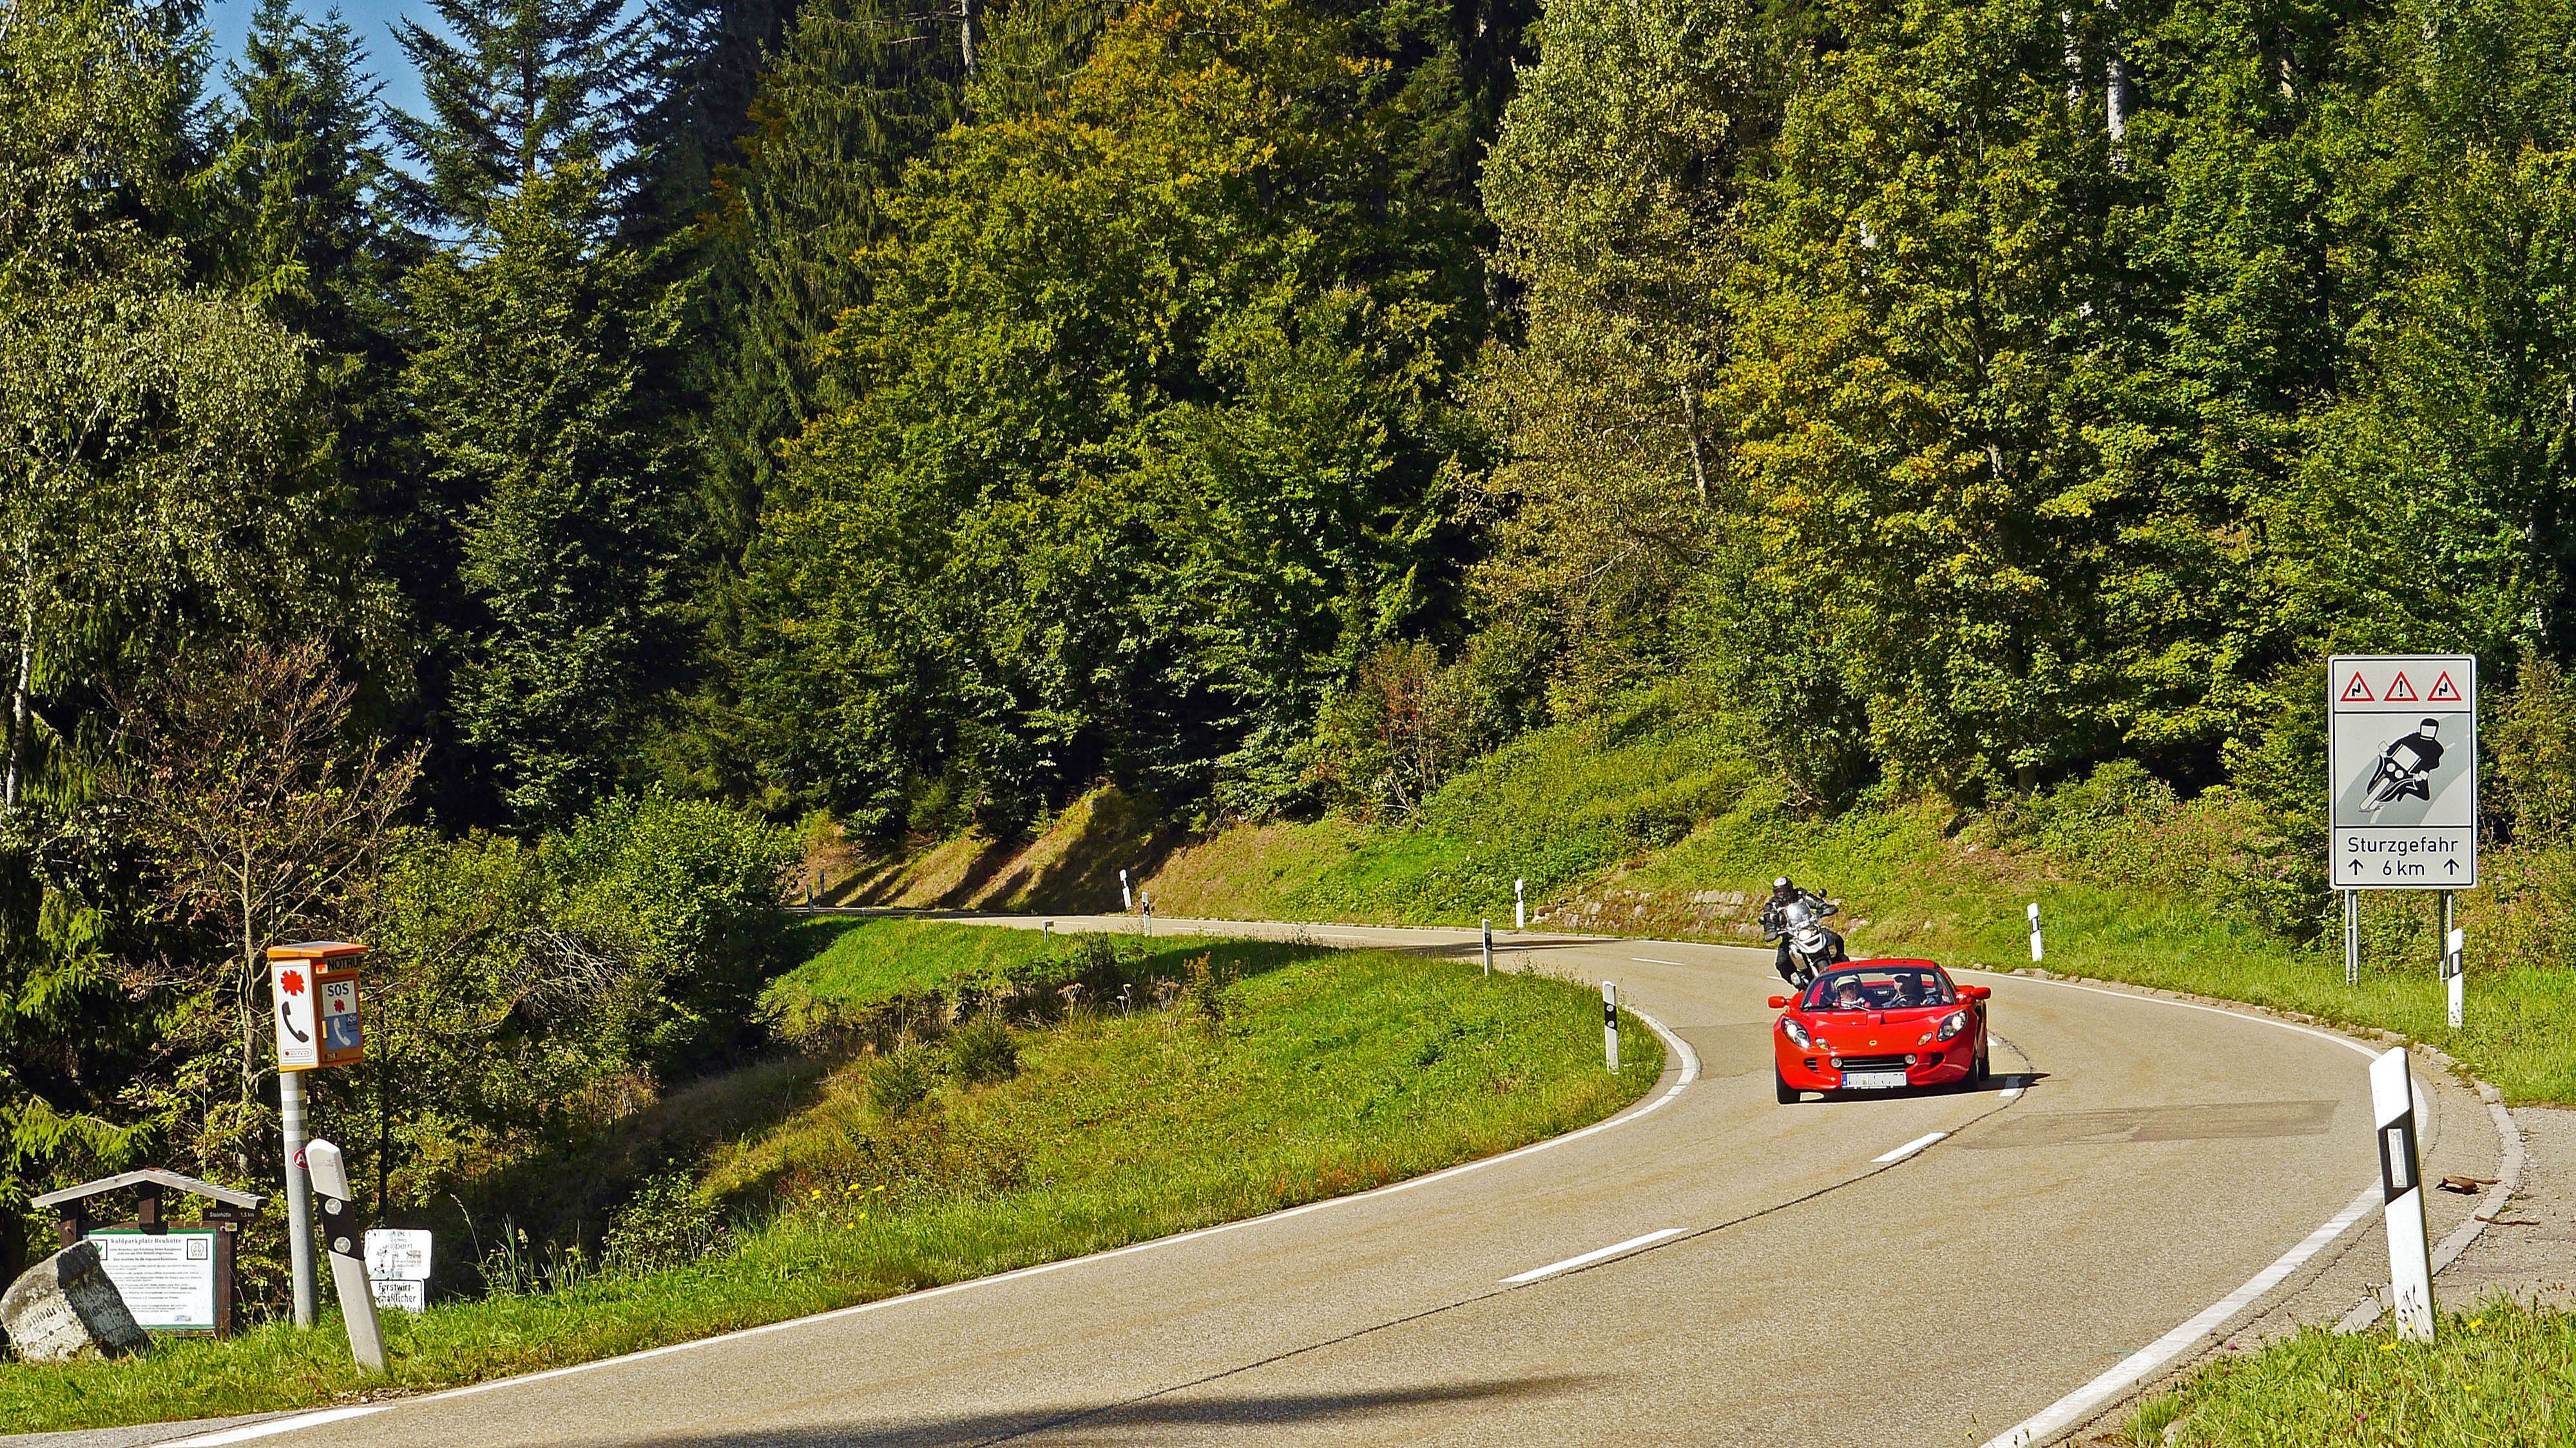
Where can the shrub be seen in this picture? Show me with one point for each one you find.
(983, 1053)
(666, 1224)
(902, 1081)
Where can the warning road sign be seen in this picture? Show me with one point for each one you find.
(2403, 762)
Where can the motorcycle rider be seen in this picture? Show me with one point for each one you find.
(1785, 893)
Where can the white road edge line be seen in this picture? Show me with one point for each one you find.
(2077, 1405)
(1909, 1148)
(2130, 1370)
(1599, 1254)
(2011, 1091)
(1650, 960)
(261, 1430)
(270, 1429)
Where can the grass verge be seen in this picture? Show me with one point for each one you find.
(2497, 1376)
(1311, 1075)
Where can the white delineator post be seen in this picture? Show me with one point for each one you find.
(1610, 1025)
(348, 1264)
(1488, 927)
(1126, 897)
(299, 1195)
(2034, 933)
(2455, 967)
(2410, 1262)
(1520, 907)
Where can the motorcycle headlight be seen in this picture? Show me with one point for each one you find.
(1811, 940)
(1951, 1025)
(1789, 1027)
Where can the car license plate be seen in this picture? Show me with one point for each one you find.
(1873, 1080)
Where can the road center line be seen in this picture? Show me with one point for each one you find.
(1600, 1254)
(1909, 1148)
(1650, 960)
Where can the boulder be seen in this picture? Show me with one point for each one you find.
(64, 1309)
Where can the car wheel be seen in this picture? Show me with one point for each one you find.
(1780, 1087)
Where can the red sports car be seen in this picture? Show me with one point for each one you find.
(1880, 1025)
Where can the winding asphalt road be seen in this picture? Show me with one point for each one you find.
(1781, 1275)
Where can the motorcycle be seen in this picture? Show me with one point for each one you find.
(1812, 947)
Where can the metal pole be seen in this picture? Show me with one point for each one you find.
(2352, 937)
(1489, 945)
(299, 1194)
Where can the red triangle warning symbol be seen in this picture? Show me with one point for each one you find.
(2444, 690)
(2356, 692)
(2399, 690)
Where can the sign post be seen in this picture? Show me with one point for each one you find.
(2410, 1263)
(315, 1009)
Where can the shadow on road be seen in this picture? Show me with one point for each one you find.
(1170, 1415)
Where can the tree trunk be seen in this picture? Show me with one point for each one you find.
(1699, 466)
(26, 676)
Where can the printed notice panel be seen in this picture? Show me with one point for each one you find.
(166, 1278)
(2403, 763)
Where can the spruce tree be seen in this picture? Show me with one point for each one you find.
(539, 376)
(521, 88)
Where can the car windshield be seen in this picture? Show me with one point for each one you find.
(1878, 988)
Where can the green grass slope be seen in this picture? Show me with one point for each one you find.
(1268, 1075)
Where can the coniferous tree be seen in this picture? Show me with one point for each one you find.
(522, 88)
(539, 375)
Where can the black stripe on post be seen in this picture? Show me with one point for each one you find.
(2397, 1158)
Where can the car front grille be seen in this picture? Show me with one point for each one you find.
(1870, 1063)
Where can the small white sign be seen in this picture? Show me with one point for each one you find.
(290, 994)
(166, 1278)
(398, 1254)
(401, 1296)
(2403, 764)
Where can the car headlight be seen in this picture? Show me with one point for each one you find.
(1951, 1025)
(1796, 1032)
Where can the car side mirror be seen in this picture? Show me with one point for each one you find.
(1779, 1001)
(1976, 992)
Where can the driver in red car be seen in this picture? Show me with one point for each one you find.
(1847, 997)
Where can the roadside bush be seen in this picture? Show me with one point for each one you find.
(982, 1053)
(687, 892)
(667, 1224)
(902, 1081)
